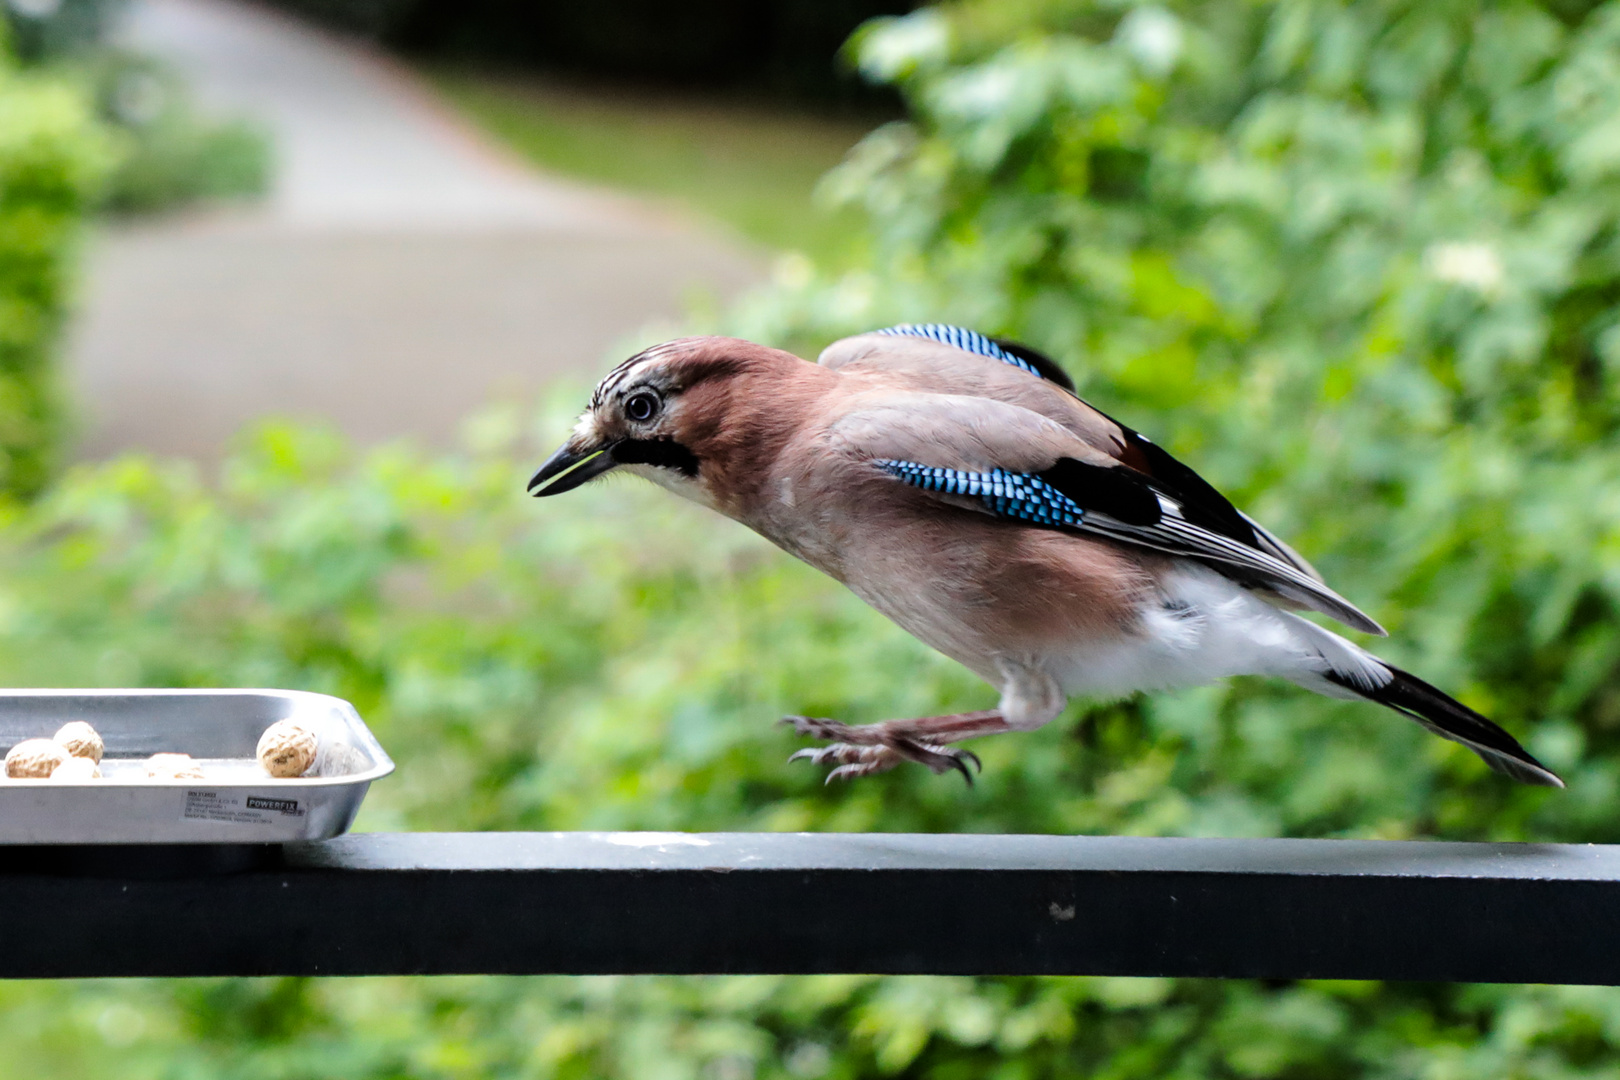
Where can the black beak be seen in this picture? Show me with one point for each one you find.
(585, 465)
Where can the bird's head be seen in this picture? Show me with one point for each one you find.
(682, 414)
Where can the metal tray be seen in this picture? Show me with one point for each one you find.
(236, 804)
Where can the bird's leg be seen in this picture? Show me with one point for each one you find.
(864, 749)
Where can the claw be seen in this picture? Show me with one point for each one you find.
(874, 748)
(961, 766)
(958, 760)
(939, 758)
(850, 772)
(819, 755)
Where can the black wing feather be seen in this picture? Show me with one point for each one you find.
(1117, 492)
(1200, 502)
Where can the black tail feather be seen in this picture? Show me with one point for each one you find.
(1451, 719)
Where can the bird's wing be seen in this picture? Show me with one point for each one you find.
(1017, 465)
(960, 339)
(953, 360)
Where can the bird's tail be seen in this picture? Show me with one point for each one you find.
(1451, 719)
(1344, 669)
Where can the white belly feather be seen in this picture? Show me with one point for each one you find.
(1210, 629)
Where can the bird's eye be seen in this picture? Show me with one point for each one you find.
(641, 407)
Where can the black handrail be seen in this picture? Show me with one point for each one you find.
(440, 903)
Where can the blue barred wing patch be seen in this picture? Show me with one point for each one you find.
(970, 340)
(1006, 494)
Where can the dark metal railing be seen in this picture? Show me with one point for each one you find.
(440, 903)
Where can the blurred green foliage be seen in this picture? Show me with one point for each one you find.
(101, 131)
(1356, 262)
(45, 29)
(53, 156)
(172, 154)
(168, 153)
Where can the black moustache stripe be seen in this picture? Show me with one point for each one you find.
(665, 453)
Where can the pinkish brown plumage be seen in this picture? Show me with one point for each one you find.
(958, 486)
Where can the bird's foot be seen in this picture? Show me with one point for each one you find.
(849, 761)
(865, 749)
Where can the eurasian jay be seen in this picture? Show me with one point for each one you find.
(957, 484)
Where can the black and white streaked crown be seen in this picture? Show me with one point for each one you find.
(962, 338)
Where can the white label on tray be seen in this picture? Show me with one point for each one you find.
(240, 809)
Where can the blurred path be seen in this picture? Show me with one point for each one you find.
(402, 273)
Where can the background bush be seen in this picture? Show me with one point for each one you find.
(168, 153)
(172, 154)
(53, 156)
(44, 29)
(1355, 262)
(104, 131)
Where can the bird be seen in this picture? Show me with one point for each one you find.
(958, 484)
